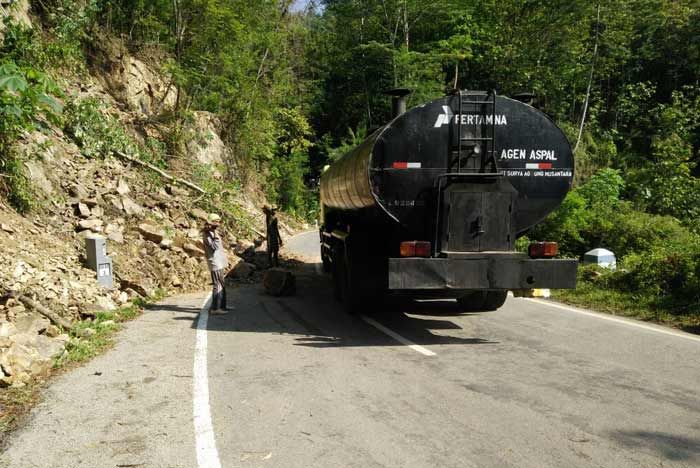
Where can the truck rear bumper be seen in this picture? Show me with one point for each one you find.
(481, 271)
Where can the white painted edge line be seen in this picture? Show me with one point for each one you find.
(205, 441)
(623, 321)
(397, 337)
(318, 267)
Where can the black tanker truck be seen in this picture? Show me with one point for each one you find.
(430, 205)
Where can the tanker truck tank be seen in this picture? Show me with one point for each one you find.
(460, 177)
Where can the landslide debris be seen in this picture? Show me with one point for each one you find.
(152, 224)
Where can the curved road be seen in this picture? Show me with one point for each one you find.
(293, 382)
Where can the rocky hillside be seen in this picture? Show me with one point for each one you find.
(83, 183)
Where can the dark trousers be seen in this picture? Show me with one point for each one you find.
(273, 257)
(218, 294)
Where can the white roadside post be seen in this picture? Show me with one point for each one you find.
(601, 257)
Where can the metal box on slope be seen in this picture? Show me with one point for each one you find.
(98, 261)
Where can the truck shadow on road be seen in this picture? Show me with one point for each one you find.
(670, 446)
(321, 323)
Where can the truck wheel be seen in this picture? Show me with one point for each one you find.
(343, 290)
(350, 298)
(482, 301)
(337, 278)
(327, 265)
(495, 299)
(472, 302)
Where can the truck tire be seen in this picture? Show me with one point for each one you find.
(472, 302)
(327, 265)
(337, 277)
(351, 298)
(494, 300)
(482, 301)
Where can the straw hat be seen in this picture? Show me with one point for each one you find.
(214, 219)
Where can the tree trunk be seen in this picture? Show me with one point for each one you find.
(590, 79)
(454, 86)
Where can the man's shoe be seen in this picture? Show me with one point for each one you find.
(218, 312)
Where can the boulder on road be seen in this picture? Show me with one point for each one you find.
(279, 282)
(243, 270)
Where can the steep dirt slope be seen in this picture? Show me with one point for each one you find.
(152, 224)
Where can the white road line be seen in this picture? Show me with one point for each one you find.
(207, 455)
(397, 337)
(612, 318)
(319, 268)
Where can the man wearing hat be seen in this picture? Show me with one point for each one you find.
(217, 262)
(274, 240)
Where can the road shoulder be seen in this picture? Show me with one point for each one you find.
(130, 406)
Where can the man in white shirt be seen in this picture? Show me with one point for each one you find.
(217, 262)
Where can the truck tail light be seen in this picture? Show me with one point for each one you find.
(543, 250)
(415, 249)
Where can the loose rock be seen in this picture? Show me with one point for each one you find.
(243, 270)
(82, 210)
(94, 225)
(193, 249)
(152, 233)
(279, 282)
(131, 208)
(123, 187)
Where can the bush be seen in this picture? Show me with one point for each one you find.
(659, 258)
(25, 104)
(670, 271)
(99, 134)
(584, 216)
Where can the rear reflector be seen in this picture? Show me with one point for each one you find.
(406, 165)
(538, 166)
(543, 250)
(415, 249)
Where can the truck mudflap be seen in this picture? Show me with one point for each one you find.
(481, 271)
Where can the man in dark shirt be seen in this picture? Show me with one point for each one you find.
(274, 240)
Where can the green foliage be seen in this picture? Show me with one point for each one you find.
(287, 170)
(222, 197)
(662, 162)
(99, 134)
(105, 324)
(659, 257)
(604, 188)
(15, 184)
(287, 184)
(59, 44)
(25, 104)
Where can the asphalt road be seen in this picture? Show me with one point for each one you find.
(294, 382)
